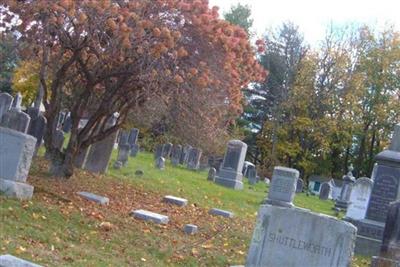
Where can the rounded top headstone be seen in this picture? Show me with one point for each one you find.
(237, 143)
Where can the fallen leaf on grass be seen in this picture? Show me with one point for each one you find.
(106, 226)
(207, 246)
(142, 259)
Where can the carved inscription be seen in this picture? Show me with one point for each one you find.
(282, 185)
(309, 247)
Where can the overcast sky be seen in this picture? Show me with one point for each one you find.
(313, 16)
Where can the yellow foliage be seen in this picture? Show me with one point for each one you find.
(26, 80)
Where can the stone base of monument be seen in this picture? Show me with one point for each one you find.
(15, 189)
(298, 238)
(369, 236)
(229, 179)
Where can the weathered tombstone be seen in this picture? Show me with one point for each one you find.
(99, 154)
(283, 187)
(123, 154)
(185, 155)
(12, 261)
(17, 101)
(344, 199)
(251, 173)
(299, 185)
(16, 119)
(123, 138)
(133, 136)
(391, 235)
(246, 165)
(67, 124)
(230, 174)
(326, 190)
(167, 150)
(5, 103)
(386, 187)
(285, 235)
(176, 154)
(359, 199)
(37, 126)
(158, 151)
(193, 162)
(160, 163)
(58, 139)
(134, 150)
(211, 174)
(16, 152)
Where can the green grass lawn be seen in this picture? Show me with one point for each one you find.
(57, 228)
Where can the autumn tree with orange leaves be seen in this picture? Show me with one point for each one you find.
(107, 56)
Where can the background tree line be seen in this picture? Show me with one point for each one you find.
(322, 108)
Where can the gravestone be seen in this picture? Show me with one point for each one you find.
(251, 174)
(58, 139)
(16, 119)
(285, 235)
(190, 229)
(134, 150)
(325, 192)
(158, 151)
(16, 152)
(230, 174)
(176, 154)
(123, 138)
(37, 126)
(17, 102)
(61, 118)
(95, 198)
(386, 177)
(223, 213)
(5, 103)
(99, 154)
(117, 165)
(167, 150)
(359, 198)
(246, 165)
(283, 187)
(133, 136)
(343, 201)
(299, 185)
(160, 163)
(211, 174)
(193, 162)
(11, 261)
(123, 153)
(67, 124)
(391, 235)
(150, 216)
(185, 155)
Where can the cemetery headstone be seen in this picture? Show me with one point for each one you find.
(190, 229)
(223, 213)
(193, 162)
(134, 150)
(359, 198)
(283, 187)
(95, 198)
(123, 153)
(185, 155)
(16, 119)
(176, 154)
(150, 216)
(123, 138)
(344, 199)
(117, 165)
(17, 102)
(176, 200)
(58, 139)
(37, 126)
(133, 136)
(251, 173)
(99, 154)
(160, 163)
(230, 174)
(385, 189)
(246, 165)
(391, 235)
(16, 152)
(12, 261)
(326, 190)
(285, 235)
(211, 174)
(167, 150)
(5, 103)
(299, 185)
(158, 151)
(67, 124)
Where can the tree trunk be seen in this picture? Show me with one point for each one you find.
(371, 153)
(361, 151)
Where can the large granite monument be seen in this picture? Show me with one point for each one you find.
(230, 173)
(386, 187)
(285, 235)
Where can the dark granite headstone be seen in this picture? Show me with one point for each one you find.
(133, 136)
(185, 155)
(176, 154)
(299, 185)
(167, 150)
(391, 235)
(252, 174)
(134, 150)
(193, 162)
(158, 151)
(325, 192)
(123, 138)
(37, 128)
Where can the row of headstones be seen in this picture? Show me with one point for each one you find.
(20, 137)
(179, 155)
(127, 147)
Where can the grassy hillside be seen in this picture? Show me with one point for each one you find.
(57, 227)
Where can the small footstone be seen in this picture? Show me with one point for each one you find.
(190, 229)
(139, 173)
(15, 189)
(96, 198)
(223, 213)
(11, 261)
(118, 165)
(150, 216)
(176, 200)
